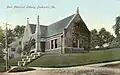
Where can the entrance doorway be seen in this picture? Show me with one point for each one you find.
(43, 46)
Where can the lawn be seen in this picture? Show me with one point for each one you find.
(66, 60)
(12, 62)
(75, 59)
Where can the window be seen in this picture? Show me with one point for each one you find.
(51, 44)
(12, 56)
(55, 43)
(12, 49)
(19, 42)
(19, 50)
(75, 43)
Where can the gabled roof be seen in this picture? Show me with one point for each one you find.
(16, 41)
(58, 26)
(52, 29)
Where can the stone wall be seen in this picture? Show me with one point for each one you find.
(69, 35)
(48, 43)
(74, 50)
(55, 51)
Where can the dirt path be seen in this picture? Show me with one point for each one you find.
(82, 70)
(1, 73)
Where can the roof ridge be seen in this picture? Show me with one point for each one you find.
(61, 19)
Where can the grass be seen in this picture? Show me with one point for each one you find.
(12, 62)
(66, 60)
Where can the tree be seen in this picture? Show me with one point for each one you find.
(1, 37)
(100, 38)
(11, 36)
(1, 45)
(19, 30)
(94, 38)
(110, 39)
(116, 27)
(116, 41)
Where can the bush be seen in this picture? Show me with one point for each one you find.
(115, 43)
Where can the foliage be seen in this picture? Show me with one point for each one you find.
(100, 38)
(94, 38)
(116, 42)
(1, 45)
(116, 27)
(10, 37)
(19, 30)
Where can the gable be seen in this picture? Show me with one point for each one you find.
(58, 27)
(27, 33)
(83, 27)
(15, 43)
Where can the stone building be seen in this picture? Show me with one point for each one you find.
(56, 37)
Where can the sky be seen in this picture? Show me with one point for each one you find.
(95, 13)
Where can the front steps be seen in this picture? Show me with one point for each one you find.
(28, 58)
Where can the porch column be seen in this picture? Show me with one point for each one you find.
(54, 44)
(78, 43)
(63, 41)
(50, 44)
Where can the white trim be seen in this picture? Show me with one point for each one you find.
(70, 21)
(78, 44)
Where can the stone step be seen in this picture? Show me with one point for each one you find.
(28, 58)
(20, 63)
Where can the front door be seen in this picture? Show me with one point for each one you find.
(43, 46)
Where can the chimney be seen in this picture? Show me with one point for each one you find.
(77, 10)
(27, 21)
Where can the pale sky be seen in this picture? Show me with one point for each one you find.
(95, 13)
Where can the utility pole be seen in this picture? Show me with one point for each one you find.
(6, 47)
